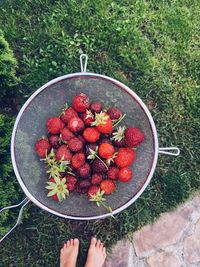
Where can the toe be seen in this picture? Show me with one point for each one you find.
(101, 246)
(98, 243)
(76, 242)
(93, 241)
(71, 242)
(68, 243)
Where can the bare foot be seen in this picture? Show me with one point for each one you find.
(96, 254)
(69, 253)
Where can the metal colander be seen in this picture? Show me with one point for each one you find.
(48, 101)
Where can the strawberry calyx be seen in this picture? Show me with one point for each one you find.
(119, 134)
(100, 118)
(58, 187)
(100, 200)
(111, 160)
(89, 114)
(93, 154)
(55, 167)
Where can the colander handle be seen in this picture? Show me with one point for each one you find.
(83, 61)
(166, 151)
(23, 203)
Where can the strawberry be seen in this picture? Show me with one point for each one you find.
(92, 191)
(120, 143)
(106, 150)
(84, 184)
(71, 182)
(114, 113)
(42, 147)
(63, 153)
(78, 160)
(87, 117)
(75, 144)
(80, 103)
(54, 140)
(62, 124)
(98, 166)
(96, 107)
(66, 134)
(96, 178)
(84, 171)
(67, 114)
(91, 134)
(54, 125)
(133, 137)
(80, 190)
(125, 157)
(108, 186)
(105, 140)
(80, 137)
(102, 122)
(125, 175)
(57, 188)
(113, 173)
(75, 125)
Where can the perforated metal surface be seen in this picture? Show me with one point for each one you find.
(48, 101)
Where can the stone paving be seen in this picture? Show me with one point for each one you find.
(172, 241)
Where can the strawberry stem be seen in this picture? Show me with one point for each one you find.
(116, 122)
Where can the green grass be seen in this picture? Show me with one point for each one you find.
(151, 46)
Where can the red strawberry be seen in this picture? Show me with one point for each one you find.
(92, 191)
(114, 113)
(125, 157)
(87, 117)
(84, 184)
(54, 125)
(84, 171)
(80, 190)
(71, 182)
(67, 114)
(120, 143)
(42, 147)
(91, 134)
(113, 173)
(96, 107)
(78, 160)
(133, 137)
(96, 178)
(62, 125)
(66, 134)
(75, 144)
(98, 166)
(103, 122)
(125, 175)
(54, 140)
(75, 125)
(64, 153)
(108, 186)
(105, 140)
(106, 150)
(81, 103)
(80, 137)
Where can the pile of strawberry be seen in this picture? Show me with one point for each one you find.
(86, 152)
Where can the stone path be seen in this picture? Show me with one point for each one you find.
(172, 241)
